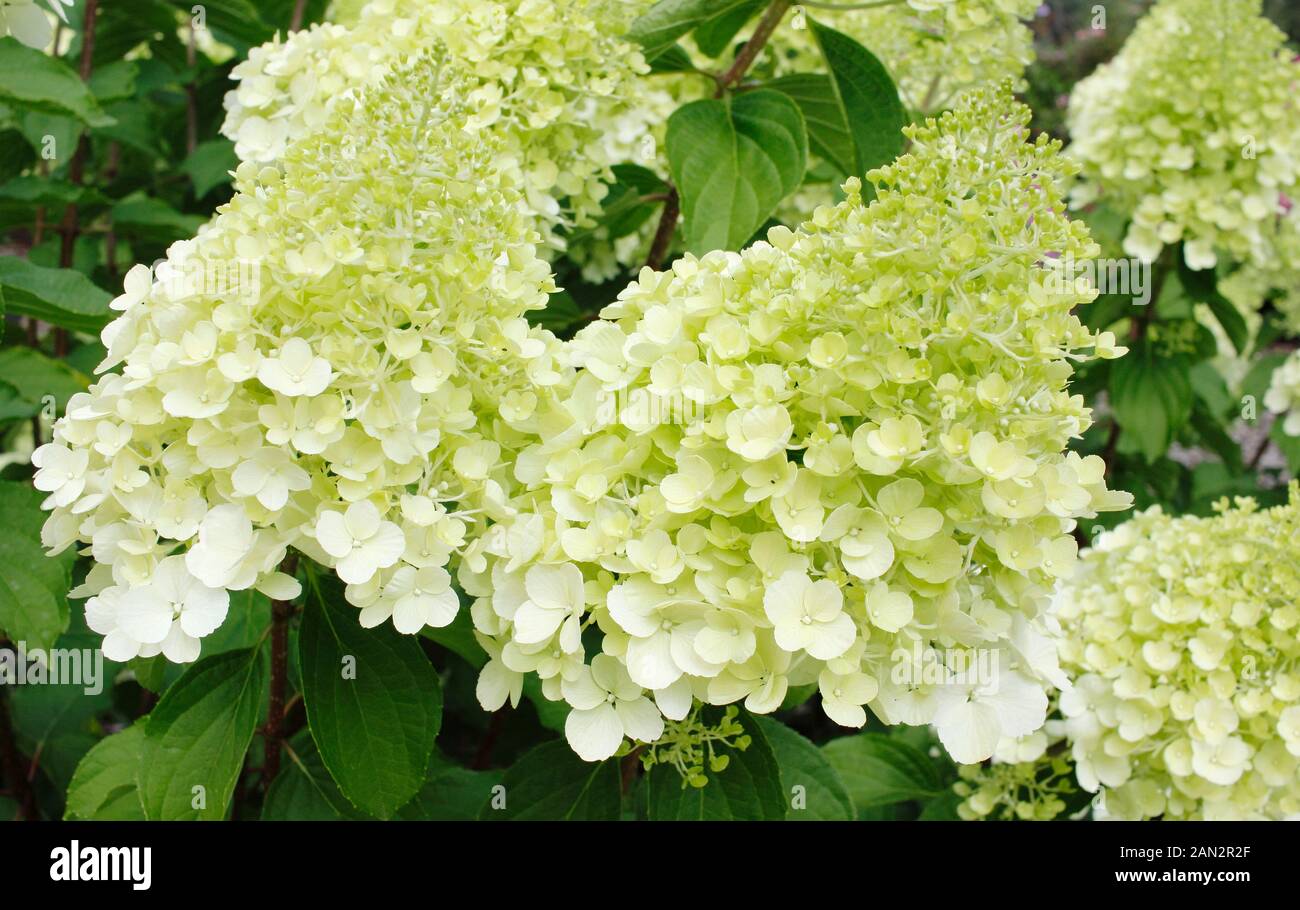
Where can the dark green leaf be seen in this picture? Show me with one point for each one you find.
(1151, 396)
(733, 161)
(197, 736)
(304, 790)
(62, 297)
(828, 132)
(31, 80)
(209, 166)
(33, 586)
(550, 783)
(715, 34)
(867, 97)
(373, 702)
(820, 794)
(659, 27)
(879, 770)
(453, 794)
(103, 787)
(36, 376)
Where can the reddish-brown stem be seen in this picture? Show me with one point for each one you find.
(628, 767)
(299, 10)
(273, 732)
(766, 26)
(664, 233)
(483, 758)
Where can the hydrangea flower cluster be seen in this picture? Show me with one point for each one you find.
(837, 457)
(548, 79)
(1181, 636)
(338, 362)
(1193, 129)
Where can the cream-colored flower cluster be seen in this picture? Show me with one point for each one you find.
(1193, 130)
(837, 457)
(549, 80)
(338, 363)
(1181, 634)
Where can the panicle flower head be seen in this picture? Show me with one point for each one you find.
(1193, 130)
(836, 457)
(338, 362)
(547, 79)
(1180, 634)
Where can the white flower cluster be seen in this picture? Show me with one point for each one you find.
(836, 457)
(1193, 130)
(1181, 634)
(549, 80)
(337, 363)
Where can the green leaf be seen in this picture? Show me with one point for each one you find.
(674, 59)
(197, 736)
(867, 98)
(33, 586)
(828, 132)
(822, 795)
(62, 297)
(1202, 287)
(114, 81)
(879, 770)
(733, 161)
(715, 34)
(13, 406)
(1151, 396)
(209, 166)
(748, 789)
(659, 27)
(373, 702)
(303, 790)
(103, 787)
(153, 219)
(453, 794)
(550, 783)
(35, 376)
(31, 80)
(942, 808)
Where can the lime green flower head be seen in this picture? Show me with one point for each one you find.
(338, 363)
(547, 79)
(1181, 638)
(834, 458)
(1193, 130)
